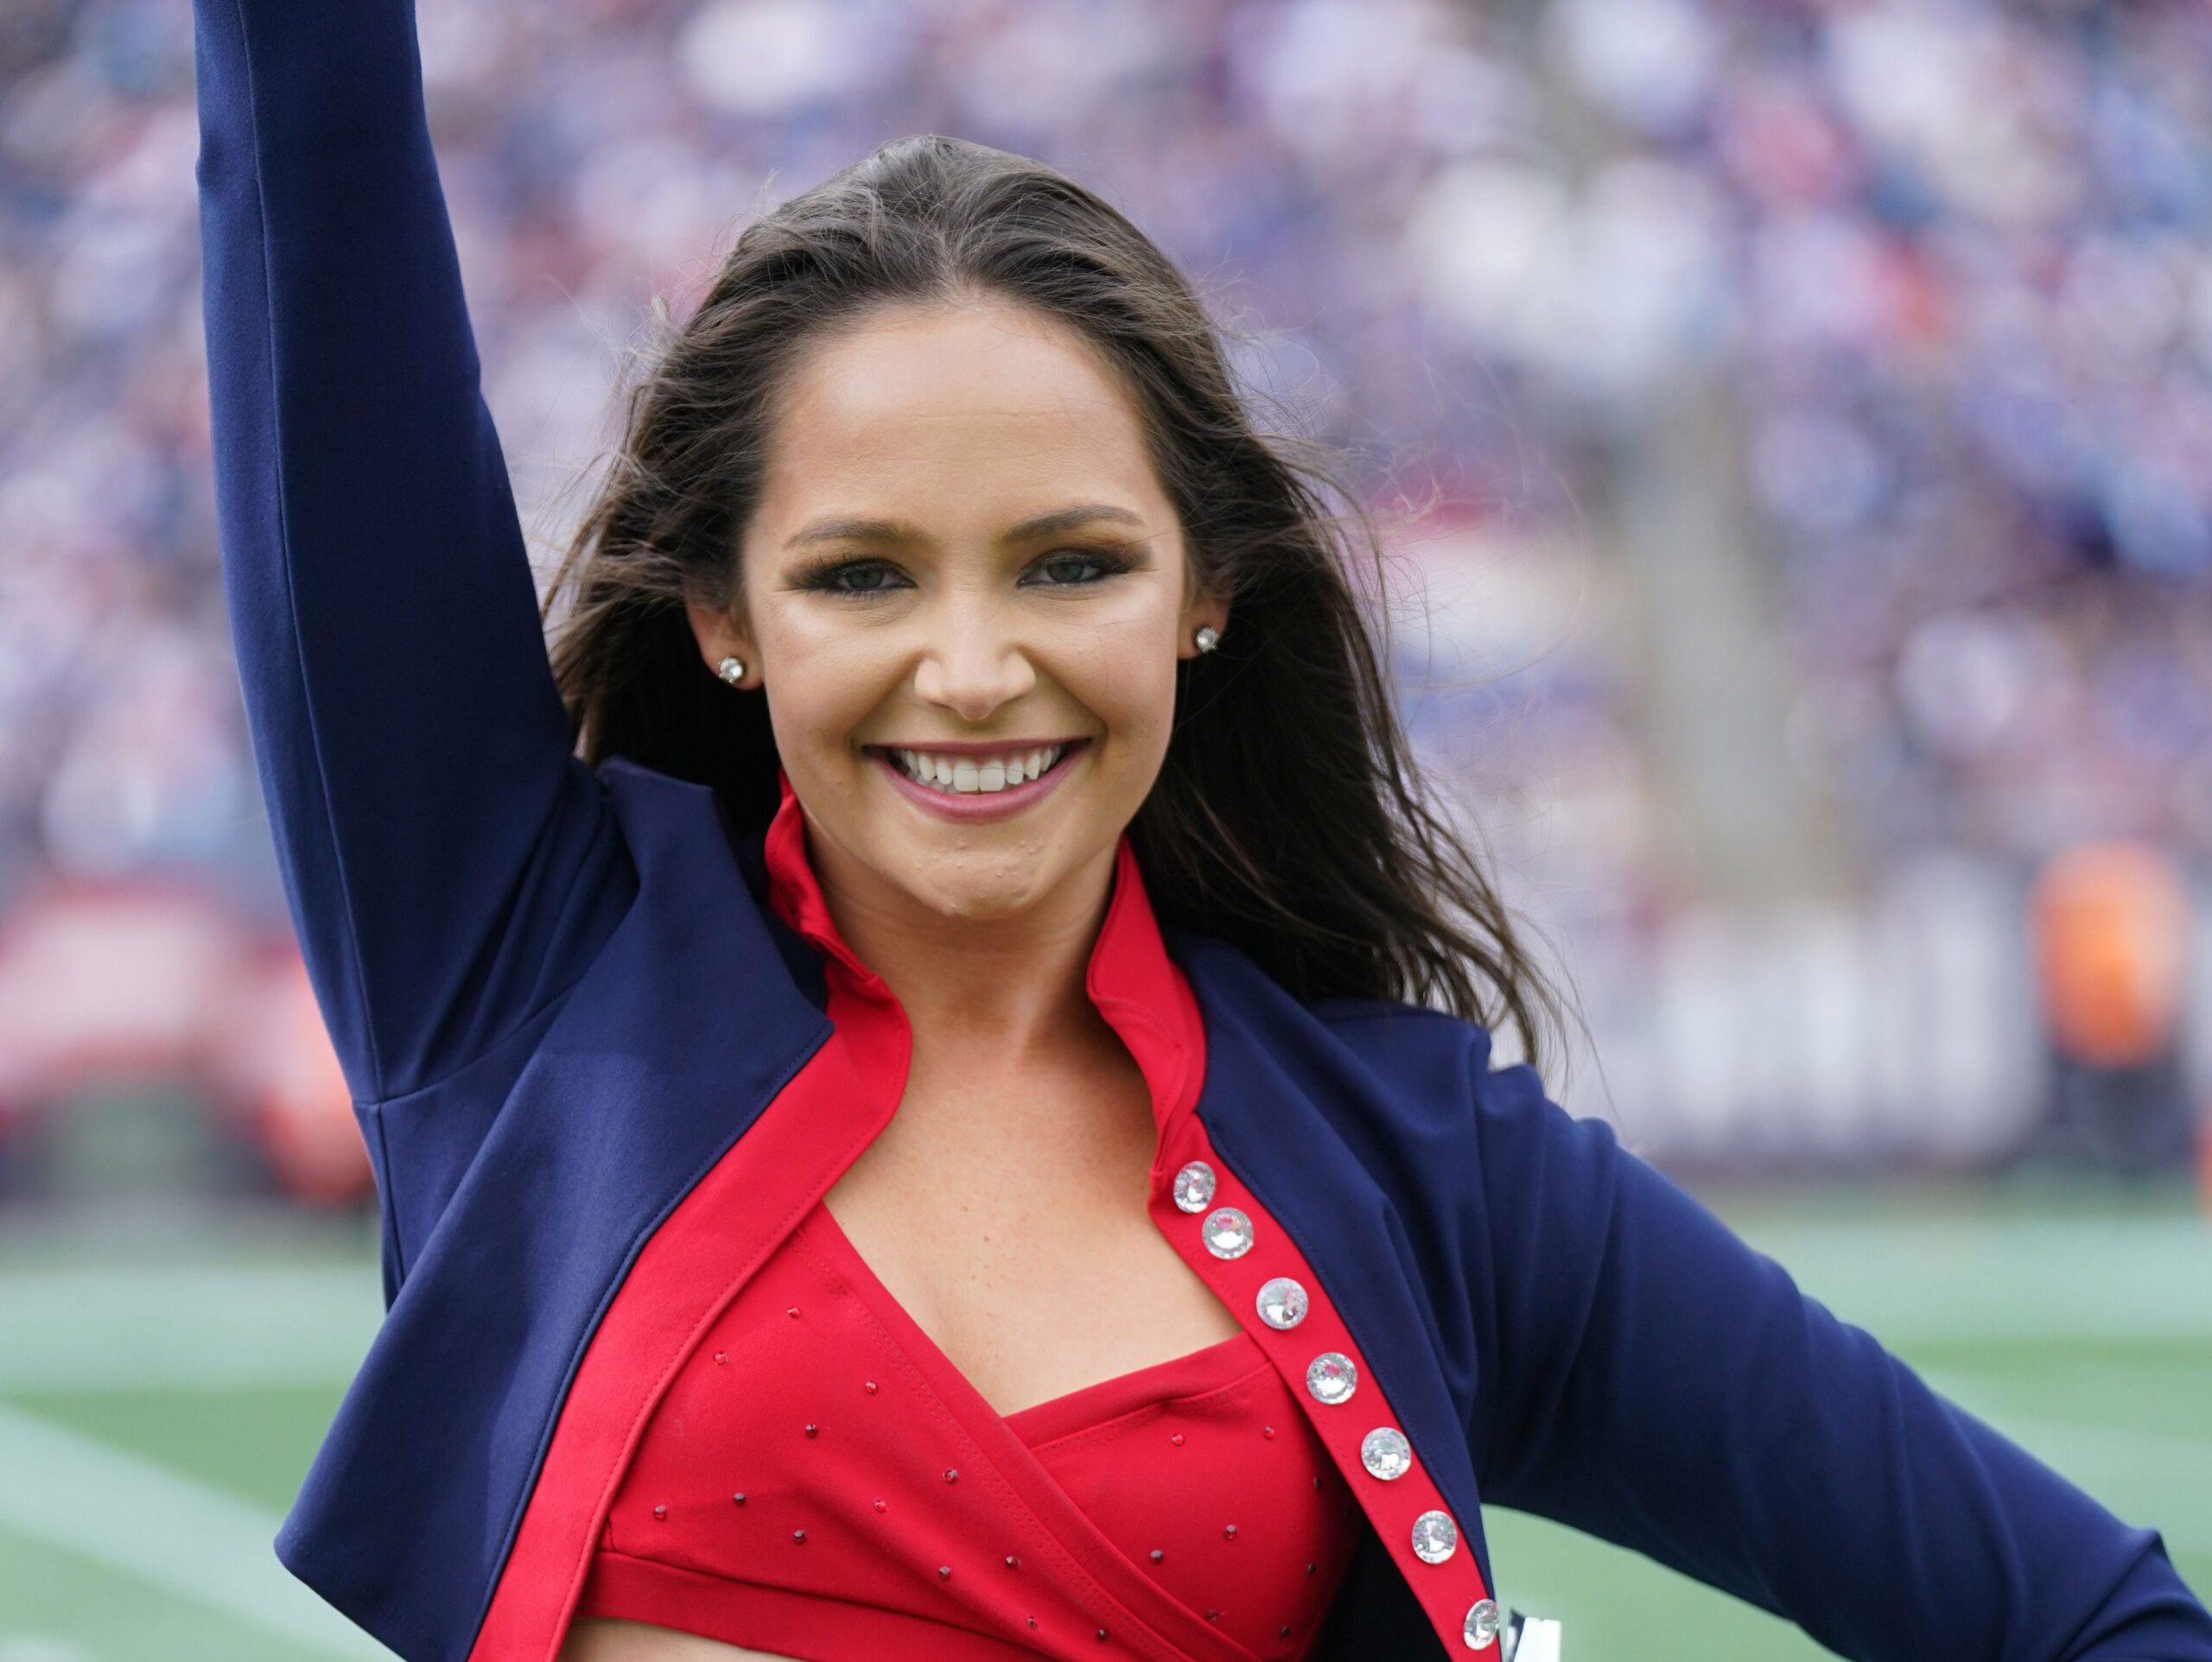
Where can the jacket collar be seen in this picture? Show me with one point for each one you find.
(1136, 986)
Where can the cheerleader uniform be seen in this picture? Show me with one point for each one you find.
(822, 1480)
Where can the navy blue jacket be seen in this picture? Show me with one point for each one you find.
(559, 1000)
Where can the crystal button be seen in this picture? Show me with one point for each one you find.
(1283, 1303)
(1481, 1624)
(1435, 1536)
(1330, 1376)
(1194, 1187)
(1228, 1232)
(1385, 1452)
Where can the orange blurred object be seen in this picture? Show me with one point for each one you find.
(2204, 1156)
(302, 1111)
(2111, 921)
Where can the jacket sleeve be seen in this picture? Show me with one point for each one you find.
(450, 865)
(1652, 1379)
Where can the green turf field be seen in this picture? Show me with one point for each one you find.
(158, 1402)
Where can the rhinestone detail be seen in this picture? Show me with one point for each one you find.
(1283, 1303)
(1228, 1232)
(1330, 1376)
(1435, 1536)
(1385, 1452)
(1481, 1625)
(1194, 1187)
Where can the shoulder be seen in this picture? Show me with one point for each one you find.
(1385, 1066)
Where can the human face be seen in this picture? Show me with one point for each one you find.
(960, 618)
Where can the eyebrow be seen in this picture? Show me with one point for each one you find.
(893, 531)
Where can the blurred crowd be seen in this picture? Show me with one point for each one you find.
(1943, 265)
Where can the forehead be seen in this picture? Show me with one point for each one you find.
(983, 403)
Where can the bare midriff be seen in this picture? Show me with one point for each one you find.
(599, 1638)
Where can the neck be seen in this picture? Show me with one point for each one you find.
(999, 991)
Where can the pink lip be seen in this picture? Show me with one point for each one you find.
(984, 804)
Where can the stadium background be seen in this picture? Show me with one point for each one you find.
(1794, 426)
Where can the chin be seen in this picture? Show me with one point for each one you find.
(1004, 888)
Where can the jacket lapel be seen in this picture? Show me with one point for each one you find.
(1271, 1065)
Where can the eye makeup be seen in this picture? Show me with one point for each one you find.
(827, 576)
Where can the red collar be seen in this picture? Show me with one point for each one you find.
(1138, 989)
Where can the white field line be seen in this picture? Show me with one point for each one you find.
(163, 1528)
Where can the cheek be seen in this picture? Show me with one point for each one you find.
(1126, 677)
(825, 677)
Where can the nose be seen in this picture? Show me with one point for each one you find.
(972, 662)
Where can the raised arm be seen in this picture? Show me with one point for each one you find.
(1659, 1384)
(449, 864)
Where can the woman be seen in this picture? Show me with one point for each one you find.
(920, 1140)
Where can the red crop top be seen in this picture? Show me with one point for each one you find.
(822, 1482)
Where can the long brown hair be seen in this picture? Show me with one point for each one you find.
(1288, 817)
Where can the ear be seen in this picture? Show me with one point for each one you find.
(721, 632)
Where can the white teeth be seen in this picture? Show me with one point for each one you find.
(968, 774)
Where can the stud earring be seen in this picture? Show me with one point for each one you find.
(1207, 637)
(731, 670)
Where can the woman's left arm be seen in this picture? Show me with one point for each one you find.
(1648, 1378)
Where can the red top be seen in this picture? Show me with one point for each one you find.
(821, 1480)
(634, 1512)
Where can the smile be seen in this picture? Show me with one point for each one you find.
(966, 774)
(967, 787)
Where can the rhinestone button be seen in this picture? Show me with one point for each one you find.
(1385, 1452)
(1283, 1303)
(1330, 1376)
(1228, 1232)
(1435, 1536)
(1194, 1187)
(1481, 1624)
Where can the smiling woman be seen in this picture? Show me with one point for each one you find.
(952, 496)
